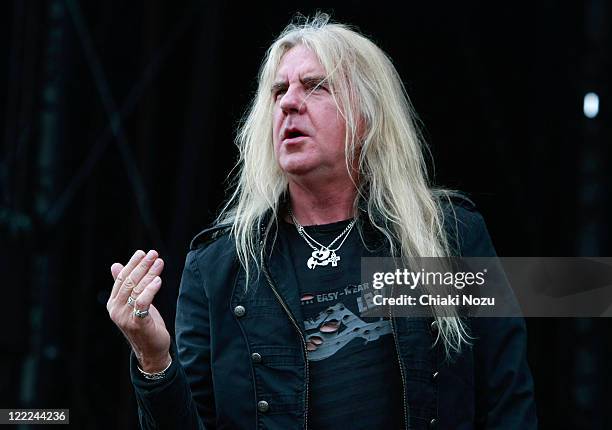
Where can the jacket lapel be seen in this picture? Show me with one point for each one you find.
(283, 275)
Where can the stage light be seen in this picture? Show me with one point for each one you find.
(590, 105)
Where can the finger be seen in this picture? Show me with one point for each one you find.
(144, 300)
(154, 270)
(138, 255)
(134, 277)
(115, 269)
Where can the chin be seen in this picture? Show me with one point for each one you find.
(296, 166)
(297, 170)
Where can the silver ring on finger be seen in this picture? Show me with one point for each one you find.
(131, 300)
(140, 314)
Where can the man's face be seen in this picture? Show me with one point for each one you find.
(307, 126)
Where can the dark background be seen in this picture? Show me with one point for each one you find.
(118, 135)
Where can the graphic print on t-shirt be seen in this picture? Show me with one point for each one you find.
(353, 363)
(334, 327)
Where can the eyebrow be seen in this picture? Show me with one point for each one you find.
(307, 80)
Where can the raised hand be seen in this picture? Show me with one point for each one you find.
(131, 309)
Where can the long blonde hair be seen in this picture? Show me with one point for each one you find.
(380, 130)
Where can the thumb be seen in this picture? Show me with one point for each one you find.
(115, 269)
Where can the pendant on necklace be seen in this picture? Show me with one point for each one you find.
(323, 257)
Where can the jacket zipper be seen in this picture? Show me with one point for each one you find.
(399, 363)
(297, 327)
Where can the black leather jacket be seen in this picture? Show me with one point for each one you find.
(240, 359)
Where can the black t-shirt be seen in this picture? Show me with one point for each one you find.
(354, 373)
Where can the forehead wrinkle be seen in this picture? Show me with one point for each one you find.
(281, 76)
(315, 70)
(303, 79)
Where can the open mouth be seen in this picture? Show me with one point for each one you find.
(293, 135)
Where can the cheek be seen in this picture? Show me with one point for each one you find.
(328, 118)
(276, 124)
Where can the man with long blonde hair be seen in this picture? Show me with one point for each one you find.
(269, 325)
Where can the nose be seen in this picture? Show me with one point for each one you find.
(293, 101)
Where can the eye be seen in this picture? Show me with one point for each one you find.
(278, 91)
(321, 87)
(316, 86)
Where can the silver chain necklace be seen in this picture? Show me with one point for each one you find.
(321, 255)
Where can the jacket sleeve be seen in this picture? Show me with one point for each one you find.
(184, 398)
(504, 386)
